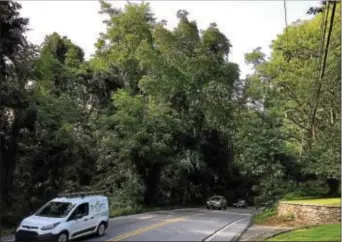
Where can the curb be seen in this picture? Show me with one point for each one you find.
(282, 232)
(293, 229)
(261, 236)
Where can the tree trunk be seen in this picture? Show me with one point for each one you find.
(333, 186)
(332, 116)
(313, 132)
(8, 160)
(151, 183)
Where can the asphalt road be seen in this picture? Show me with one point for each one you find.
(190, 224)
(179, 225)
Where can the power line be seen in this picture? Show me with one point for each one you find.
(324, 64)
(287, 52)
(328, 41)
(324, 24)
(287, 38)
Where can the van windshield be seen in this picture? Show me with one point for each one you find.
(55, 210)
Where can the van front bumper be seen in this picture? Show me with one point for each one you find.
(27, 236)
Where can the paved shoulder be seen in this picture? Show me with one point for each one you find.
(260, 233)
(8, 238)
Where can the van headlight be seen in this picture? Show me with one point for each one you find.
(51, 226)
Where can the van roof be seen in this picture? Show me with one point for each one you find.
(77, 200)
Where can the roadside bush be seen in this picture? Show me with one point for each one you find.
(264, 215)
(307, 190)
(296, 195)
(287, 217)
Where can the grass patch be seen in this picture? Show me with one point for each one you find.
(326, 201)
(328, 232)
(7, 231)
(264, 216)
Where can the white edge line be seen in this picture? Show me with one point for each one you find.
(243, 214)
(134, 216)
(218, 232)
(224, 212)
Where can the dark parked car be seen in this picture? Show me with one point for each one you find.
(216, 202)
(240, 204)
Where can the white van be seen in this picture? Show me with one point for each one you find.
(66, 218)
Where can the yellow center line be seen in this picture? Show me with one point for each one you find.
(145, 229)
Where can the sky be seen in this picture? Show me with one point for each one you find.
(247, 24)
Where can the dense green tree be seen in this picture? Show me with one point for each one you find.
(63, 50)
(309, 106)
(15, 113)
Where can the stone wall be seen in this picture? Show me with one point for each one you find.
(310, 214)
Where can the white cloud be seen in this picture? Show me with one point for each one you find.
(248, 24)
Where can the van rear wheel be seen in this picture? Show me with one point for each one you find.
(101, 230)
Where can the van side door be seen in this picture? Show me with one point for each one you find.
(79, 221)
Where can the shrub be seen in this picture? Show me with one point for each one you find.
(287, 217)
(264, 215)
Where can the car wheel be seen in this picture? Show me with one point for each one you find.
(63, 237)
(101, 230)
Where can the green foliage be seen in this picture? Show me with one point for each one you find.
(287, 88)
(160, 117)
(267, 213)
(15, 114)
(63, 50)
(7, 231)
(183, 98)
(296, 195)
(307, 190)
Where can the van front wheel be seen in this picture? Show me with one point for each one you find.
(101, 230)
(62, 237)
